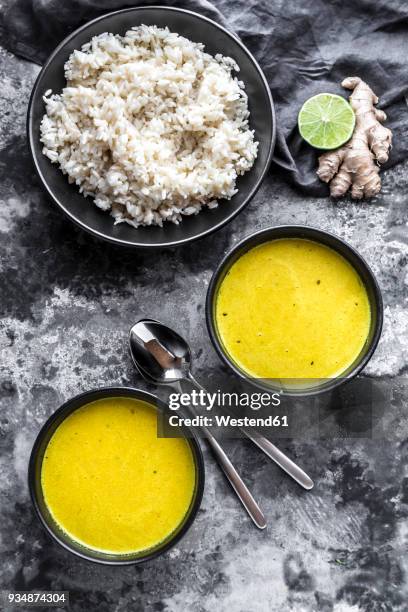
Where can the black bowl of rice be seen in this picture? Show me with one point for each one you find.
(151, 126)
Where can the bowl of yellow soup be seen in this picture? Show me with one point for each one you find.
(105, 486)
(294, 308)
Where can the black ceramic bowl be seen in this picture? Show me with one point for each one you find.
(216, 40)
(322, 237)
(34, 480)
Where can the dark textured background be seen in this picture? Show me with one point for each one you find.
(67, 303)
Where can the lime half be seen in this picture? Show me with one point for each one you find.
(326, 121)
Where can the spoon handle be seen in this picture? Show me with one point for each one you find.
(273, 452)
(236, 482)
(232, 475)
(281, 459)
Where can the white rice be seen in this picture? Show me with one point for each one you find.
(149, 125)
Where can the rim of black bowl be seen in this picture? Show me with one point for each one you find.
(31, 136)
(51, 528)
(323, 237)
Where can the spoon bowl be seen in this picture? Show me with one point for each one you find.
(159, 353)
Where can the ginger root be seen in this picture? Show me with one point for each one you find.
(354, 164)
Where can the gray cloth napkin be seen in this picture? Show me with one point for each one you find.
(304, 47)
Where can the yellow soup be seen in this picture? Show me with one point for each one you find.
(292, 308)
(110, 483)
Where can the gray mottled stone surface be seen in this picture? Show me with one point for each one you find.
(67, 302)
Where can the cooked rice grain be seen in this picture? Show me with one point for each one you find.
(149, 125)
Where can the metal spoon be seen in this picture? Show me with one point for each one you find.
(165, 357)
(157, 365)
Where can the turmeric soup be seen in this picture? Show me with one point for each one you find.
(292, 308)
(110, 483)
